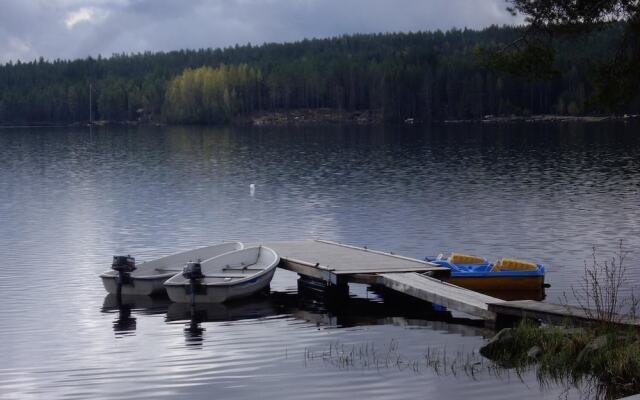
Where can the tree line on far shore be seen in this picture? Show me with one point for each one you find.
(428, 76)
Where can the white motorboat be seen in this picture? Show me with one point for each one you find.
(229, 276)
(147, 278)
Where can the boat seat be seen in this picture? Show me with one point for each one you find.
(168, 270)
(241, 269)
(513, 265)
(457, 258)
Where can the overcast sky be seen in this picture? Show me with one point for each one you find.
(78, 28)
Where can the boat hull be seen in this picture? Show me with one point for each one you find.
(483, 278)
(220, 293)
(496, 283)
(138, 287)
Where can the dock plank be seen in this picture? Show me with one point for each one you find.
(548, 312)
(342, 259)
(439, 292)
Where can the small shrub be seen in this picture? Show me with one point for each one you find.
(599, 294)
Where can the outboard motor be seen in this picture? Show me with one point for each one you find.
(193, 272)
(125, 265)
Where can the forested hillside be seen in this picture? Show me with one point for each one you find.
(429, 76)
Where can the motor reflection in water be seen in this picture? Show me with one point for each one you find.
(127, 305)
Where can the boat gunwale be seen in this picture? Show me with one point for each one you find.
(111, 274)
(235, 281)
(144, 277)
(498, 274)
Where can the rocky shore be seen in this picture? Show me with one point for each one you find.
(329, 116)
(316, 116)
(610, 356)
(546, 118)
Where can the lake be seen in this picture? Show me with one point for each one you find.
(70, 198)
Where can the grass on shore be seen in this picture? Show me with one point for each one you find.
(574, 355)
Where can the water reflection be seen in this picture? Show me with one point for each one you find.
(125, 305)
(193, 332)
(250, 308)
(355, 311)
(144, 305)
(309, 303)
(386, 308)
(196, 314)
(124, 324)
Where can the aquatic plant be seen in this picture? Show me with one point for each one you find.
(599, 293)
(436, 360)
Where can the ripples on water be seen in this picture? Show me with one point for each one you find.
(69, 199)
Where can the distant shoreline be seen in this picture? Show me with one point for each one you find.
(547, 118)
(326, 116)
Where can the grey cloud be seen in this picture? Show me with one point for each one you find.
(30, 29)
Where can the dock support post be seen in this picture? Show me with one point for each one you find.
(506, 321)
(340, 289)
(337, 290)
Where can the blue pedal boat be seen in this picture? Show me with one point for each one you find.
(476, 273)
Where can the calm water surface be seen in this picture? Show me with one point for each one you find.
(71, 198)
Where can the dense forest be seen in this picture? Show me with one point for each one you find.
(428, 76)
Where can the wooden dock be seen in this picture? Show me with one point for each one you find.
(337, 264)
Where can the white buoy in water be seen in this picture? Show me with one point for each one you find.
(252, 189)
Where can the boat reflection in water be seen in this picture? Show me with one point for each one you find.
(196, 314)
(322, 309)
(309, 303)
(126, 306)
